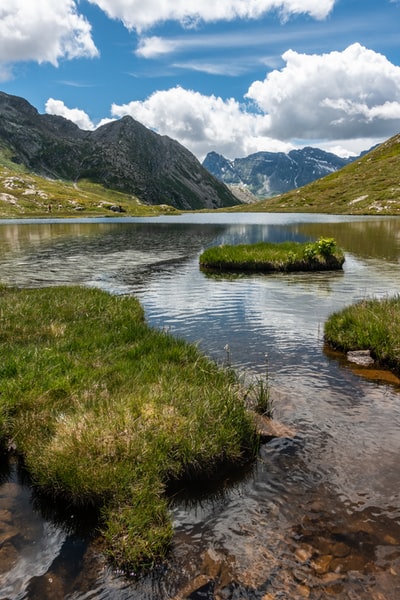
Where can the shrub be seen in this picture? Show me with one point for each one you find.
(326, 246)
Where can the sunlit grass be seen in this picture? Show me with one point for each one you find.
(106, 411)
(267, 257)
(367, 186)
(372, 324)
(24, 194)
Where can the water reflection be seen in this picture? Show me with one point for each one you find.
(378, 238)
(319, 515)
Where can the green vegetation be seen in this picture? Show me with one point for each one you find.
(107, 412)
(268, 257)
(24, 194)
(368, 186)
(372, 324)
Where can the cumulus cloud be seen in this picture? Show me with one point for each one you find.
(340, 95)
(342, 101)
(154, 46)
(43, 31)
(139, 15)
(203, 123)
(76, 115)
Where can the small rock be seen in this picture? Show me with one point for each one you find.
(303, 591)
(8, 557)
(360, 357)
(321, 564)
(270, 429)
(304, 553)
(340, 550)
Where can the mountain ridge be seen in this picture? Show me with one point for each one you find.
(369, 185)
(267, 174)
(122, 155)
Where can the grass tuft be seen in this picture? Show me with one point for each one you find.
(106, 411)
(371, 324)
(267, 257)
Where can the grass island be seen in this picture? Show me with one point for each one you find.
(266, 257)
(105, 411)
(371, 324)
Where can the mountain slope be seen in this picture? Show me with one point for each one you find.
(369, 185)
(271, 173)
(122, 155)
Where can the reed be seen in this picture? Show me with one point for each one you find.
(106, 411)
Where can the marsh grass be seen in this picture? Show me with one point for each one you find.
(371, 324)
(269, 257)
(106, 411)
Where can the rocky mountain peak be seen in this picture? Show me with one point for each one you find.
(123, 155)
(267, 174)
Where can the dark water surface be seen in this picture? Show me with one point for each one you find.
(319, 515)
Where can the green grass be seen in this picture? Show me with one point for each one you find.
(24, 194)
(372, 324)
(269, 257)
(368, 186)
(106, 411)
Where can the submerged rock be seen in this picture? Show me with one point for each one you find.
(269, 429)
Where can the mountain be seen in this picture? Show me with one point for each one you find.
(368, 186)
(267, 174)
(122, 155)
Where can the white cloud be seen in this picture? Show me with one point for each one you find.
(346, 148)
(76, 115)
(340, 95)
(139, 15)
(225, 68)
(43, 31)
(203, 123)
(6, 72)
(342, 101)
(152, 47)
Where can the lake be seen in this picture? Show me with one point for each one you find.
(319, 514)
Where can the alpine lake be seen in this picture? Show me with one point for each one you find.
(318, 514)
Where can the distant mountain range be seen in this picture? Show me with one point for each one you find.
(267, 174)
(370, 185)
(122, 155)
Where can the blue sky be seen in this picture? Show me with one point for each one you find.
(233, 76)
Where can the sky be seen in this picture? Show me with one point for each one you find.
(230, 76)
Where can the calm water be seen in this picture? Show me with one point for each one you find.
(319, 515)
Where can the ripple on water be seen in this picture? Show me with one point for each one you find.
(319, 514)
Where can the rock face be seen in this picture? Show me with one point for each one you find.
(122, 155)
(271, 173)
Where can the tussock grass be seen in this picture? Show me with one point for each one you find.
(106, 411)
(268, 257)
(372, 324)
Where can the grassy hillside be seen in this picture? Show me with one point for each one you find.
(23, 194)
(370, 185)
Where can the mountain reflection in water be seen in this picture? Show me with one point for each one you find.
(319, 514)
